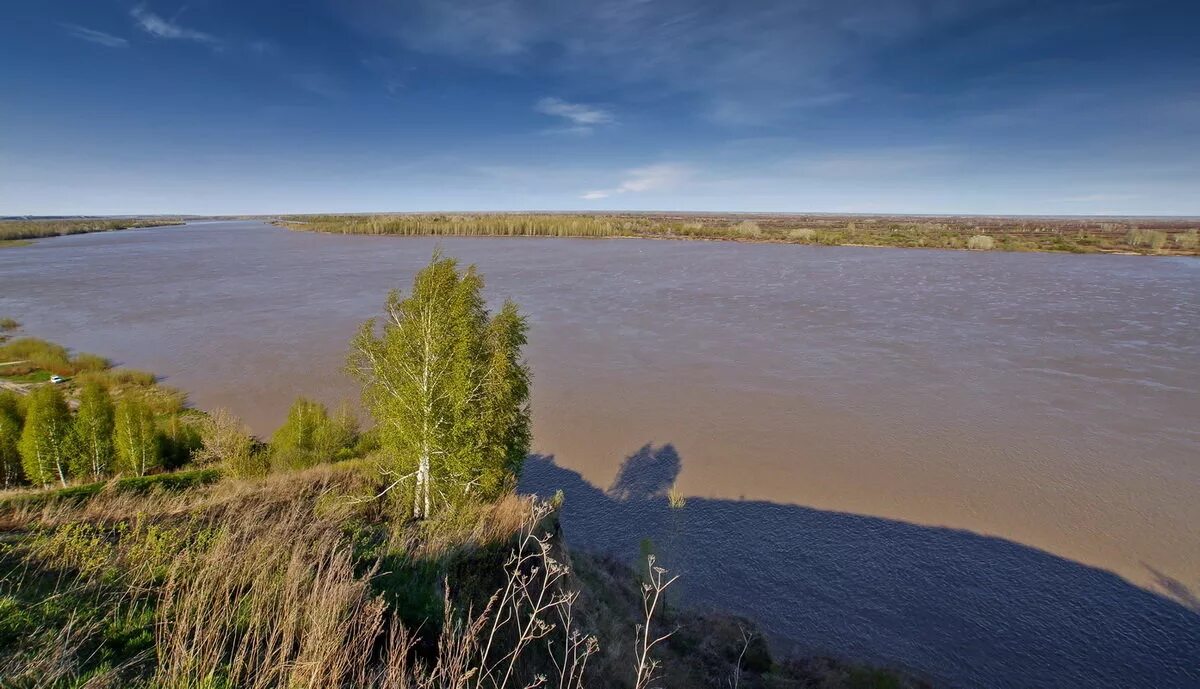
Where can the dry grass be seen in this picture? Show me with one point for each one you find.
(981, 242)
(1074, 235)
(12, 230)
(260, 584)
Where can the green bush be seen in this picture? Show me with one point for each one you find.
(981, 242)
(89, 363)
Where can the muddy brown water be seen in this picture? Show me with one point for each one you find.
(982, 466)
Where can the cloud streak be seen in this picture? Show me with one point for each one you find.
(642, 179)
(746, 62)
(166, 29)
(577, 113)
(98, 37)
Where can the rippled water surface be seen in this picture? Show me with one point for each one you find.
(984, 466)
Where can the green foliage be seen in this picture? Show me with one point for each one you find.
(225, 441)
(447, 387)
(981, 242)
(132, 376)
(44, 438)
(8, 324)
(1189, 240)
(36, 229)
(180, 437)
(1152, 239)
(11, 419)
(39, 354)
(310, 435)
(89, 363)
(93, 450)
(138, 448)
(174, 482)
(1008, 234)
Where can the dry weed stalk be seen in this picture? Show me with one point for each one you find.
(647, 668)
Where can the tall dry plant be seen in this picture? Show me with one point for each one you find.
(277, 602)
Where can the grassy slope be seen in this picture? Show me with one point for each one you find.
(172, 580)
(1162, 236)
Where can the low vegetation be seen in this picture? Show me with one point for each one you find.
(395, 558)
(20, 230)
(1072, 235)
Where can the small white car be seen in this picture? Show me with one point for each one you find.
(56, 379)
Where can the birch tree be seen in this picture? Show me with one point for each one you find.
(10, 440)
(447, 387)
(93, 432)
(136, 437)
(45, 437)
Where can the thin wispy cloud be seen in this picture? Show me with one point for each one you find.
(642, 179)
(581, 118)
(318, 83)
(167, 29)
(575, 112)
(98, 37)
(1098, 198)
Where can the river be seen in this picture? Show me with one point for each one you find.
(981, 466)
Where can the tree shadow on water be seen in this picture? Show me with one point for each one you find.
(969, 610)
(648, 473)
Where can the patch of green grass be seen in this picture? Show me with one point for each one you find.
(174, 481)
(36, 376)
(14, 243)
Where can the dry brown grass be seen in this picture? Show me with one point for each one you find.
(256, 583)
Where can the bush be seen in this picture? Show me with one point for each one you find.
(8, 325)
(1188, 240)
(225, 441)
(981, 242)
(131, 376)
(748, 228)
(87, 363)
(803, 234)
(1154, 239)
(39, 354)
(311, 436)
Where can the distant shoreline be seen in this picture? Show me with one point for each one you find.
(1173, 237)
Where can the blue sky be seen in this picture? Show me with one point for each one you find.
(908, 106)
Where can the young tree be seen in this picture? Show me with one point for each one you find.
(93, 432)
(294, 444)
(46, 437)
(180, 438)
(310, 435)
(446, 386)
(136, 436)
(10, 440)
(338, 435)
(225, 441)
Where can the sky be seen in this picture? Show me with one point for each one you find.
(865, 106)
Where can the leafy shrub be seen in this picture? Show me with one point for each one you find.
(132, 376)
(226, 441)
(803, 234)
(1154, 239)
(981, 242)
(39, 354)
(87, 363)
(748, 228)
